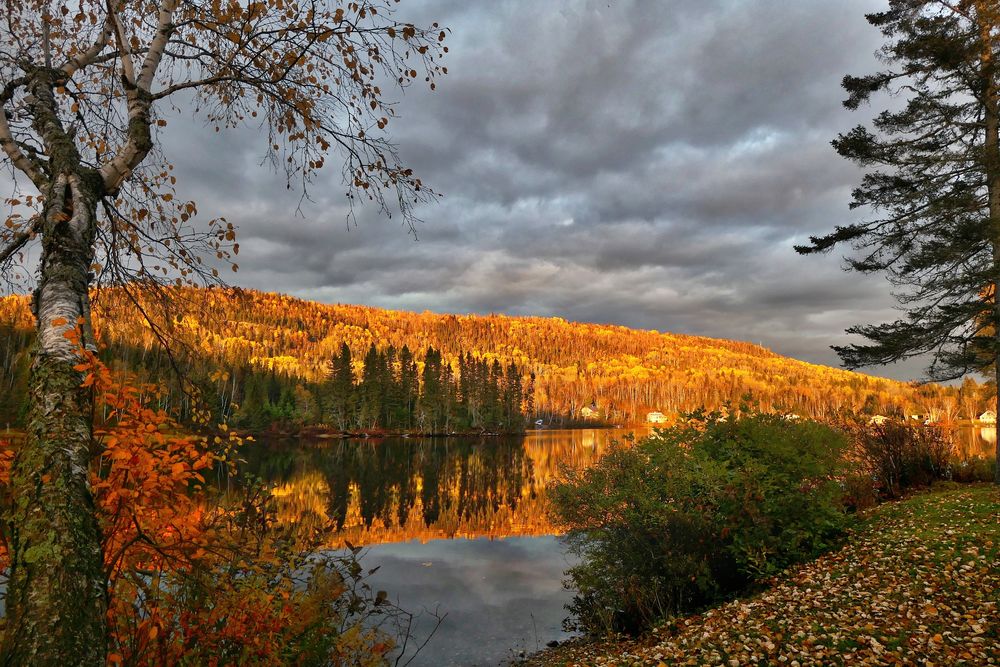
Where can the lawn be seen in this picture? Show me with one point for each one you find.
(917, 583)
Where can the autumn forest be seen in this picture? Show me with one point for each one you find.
(269, 360)
(443, 334)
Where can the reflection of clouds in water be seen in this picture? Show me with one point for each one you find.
(498, 594)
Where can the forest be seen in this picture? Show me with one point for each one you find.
(269, 361)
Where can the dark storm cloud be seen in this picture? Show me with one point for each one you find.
(645, 163)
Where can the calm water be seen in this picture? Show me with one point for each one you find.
(457, 524)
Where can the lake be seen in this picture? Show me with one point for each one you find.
(458, 526)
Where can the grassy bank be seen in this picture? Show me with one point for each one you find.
(918, 582)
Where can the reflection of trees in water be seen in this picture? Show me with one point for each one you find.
(446, 478)
(399, 489)
(975, 441)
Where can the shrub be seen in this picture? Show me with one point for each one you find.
(974, 469)
(860, 490)
(900, 457)
(695, 513)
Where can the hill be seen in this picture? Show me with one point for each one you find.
(259, 351)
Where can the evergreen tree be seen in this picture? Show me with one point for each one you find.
(254, 404)
(339, 391)
(449, 397)
(409, 384)
(464, 398)
(273, 389)
(934, 187)
(392, 398)
(513, 418)
(372, 389)
(431, 395)
(529, 407)
(493, 395)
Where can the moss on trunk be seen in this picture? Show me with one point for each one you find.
(57, 595)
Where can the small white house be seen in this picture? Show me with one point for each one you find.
(878, 420)
(588, 412)
(656, 418)
(988, 417)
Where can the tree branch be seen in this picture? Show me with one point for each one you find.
(21, 161)
(165, 28)
(128, 69)
(21, 238)
(77, 63)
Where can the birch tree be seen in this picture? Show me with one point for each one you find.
(86, 89)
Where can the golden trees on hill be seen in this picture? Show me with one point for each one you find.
(623, 372)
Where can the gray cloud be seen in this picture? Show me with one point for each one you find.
(643, 163)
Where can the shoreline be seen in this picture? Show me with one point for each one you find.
(814, 613)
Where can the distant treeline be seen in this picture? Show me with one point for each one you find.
(271, 355)
(393, 393)
(389, 390)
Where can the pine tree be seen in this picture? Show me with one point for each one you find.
(393, 403)
(513, 419)
(431, 394)
(371, 389)
(934, 188)
(449, 397)
(254, 404)
(339, 390)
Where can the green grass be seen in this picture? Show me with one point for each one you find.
(918, 582)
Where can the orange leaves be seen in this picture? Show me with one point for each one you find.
(255, 10)
(146, 478)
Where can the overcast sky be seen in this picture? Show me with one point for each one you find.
(647, 163)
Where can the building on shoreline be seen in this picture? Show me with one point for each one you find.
(656, 418)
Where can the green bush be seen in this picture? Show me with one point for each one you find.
(696, 512)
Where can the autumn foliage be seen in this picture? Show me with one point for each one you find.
(273, 343)
(195, 577)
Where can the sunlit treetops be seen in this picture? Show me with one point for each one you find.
(620, 373)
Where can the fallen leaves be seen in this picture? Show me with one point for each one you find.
(917, 584)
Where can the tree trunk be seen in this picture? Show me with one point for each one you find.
(57, 594)
(986, 16)
(996, 408)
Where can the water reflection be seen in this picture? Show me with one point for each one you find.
(407, 499)
(400, 489)
(975, 441)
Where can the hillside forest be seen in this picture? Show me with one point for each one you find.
(269, 361)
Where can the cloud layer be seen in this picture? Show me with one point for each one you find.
(644, 163)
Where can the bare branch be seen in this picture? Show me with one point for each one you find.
(88, 57)
(21, 238)
(17, 157)
(128, 69)
(164, 30)
(46, 41)
(138, 145)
